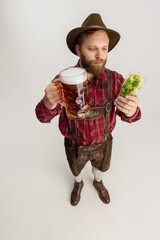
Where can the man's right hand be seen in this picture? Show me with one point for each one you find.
(52, 96)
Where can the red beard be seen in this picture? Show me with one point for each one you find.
(96, 70)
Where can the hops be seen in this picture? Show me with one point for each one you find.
(132, 85)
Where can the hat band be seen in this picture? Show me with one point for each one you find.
(95, 26)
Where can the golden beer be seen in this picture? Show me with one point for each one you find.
(74, 88)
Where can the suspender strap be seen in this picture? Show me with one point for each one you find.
(109, 98)
(73, 130)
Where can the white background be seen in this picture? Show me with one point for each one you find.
(35, 181)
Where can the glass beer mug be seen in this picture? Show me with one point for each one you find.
(74, 90)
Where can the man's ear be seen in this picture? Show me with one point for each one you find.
(77, 50)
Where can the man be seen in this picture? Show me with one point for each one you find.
(90, 139)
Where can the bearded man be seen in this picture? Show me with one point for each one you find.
(90, 139)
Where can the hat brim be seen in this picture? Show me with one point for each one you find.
(72, 37)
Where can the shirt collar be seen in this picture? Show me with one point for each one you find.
(99, 77)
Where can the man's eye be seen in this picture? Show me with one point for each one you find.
(105, 49)
(91, 49)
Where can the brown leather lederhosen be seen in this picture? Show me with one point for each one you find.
(99, 154)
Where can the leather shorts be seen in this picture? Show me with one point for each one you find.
(78, 155)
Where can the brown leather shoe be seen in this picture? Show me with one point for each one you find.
(76, 193)
(103, 193)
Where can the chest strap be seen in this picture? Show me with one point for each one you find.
(97, 112)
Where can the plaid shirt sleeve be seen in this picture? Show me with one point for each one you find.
(45, 115)
(134, 118)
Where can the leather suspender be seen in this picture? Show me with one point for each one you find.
(73, 130)
(96, 112)
(109, 98)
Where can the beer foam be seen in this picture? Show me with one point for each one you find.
(73, 75)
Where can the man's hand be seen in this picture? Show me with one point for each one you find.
(127, 105)
(52, 96)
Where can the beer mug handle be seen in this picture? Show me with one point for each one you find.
(57, 83)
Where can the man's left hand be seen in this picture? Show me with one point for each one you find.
(127, 105)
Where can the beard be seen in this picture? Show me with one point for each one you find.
(91, 68)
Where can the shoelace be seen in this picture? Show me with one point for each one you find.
(101, 187)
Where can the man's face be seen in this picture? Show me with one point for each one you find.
(93, 52)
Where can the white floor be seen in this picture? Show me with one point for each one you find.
(36, 183)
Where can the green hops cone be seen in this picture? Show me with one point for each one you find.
(132, 85)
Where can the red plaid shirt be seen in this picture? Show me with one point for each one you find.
(90, 132)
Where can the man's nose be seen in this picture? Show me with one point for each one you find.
(98, 54)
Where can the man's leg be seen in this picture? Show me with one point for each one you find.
(98, 184)
(76, 192)
(101, 165)
(76, 165)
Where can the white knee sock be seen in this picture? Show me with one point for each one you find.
(97, 174)
(79, 178)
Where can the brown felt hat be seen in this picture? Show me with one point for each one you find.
(92, 22)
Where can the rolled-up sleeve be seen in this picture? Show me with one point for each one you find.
(134, 118)
(45, 115)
